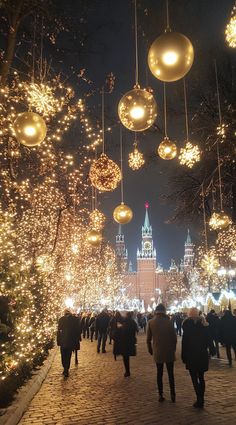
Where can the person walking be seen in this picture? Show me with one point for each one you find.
(161, 343)
(214, 325)
(196, 342)
(227, 334)
(102, 323)
(68, 338)
(125, 340)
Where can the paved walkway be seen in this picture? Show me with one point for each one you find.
(97, 393)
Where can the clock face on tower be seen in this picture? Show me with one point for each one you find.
(147, 245)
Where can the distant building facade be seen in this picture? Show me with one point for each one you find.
(150, 280)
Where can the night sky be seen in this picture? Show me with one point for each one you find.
(112, 50)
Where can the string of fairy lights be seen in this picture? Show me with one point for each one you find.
(51, 243)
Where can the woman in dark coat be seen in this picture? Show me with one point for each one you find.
(125, 340)
(195, 344)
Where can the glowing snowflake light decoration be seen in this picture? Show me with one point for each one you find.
(230, 31)
(210, 263)
(42, 99)
(136, 159)
(189, 155)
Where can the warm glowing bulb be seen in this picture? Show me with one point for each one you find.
(137, 112)
(30, 131)
(170, 58)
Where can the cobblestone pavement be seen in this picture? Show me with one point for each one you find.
(97, 393)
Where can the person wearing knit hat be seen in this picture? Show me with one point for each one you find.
(161, 343)
(195, 344)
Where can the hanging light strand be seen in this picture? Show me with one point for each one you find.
(186, 110)
(165, 112)
(121, 166)
(204, 218)
(167, 15)
(217, 142)
(136, 42)
(103, 123)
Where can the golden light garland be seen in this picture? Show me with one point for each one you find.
(97, 219)
(136, 159)
(167, 149)
(189, 155)
(230, 31)
(104, 174)
(219, 221)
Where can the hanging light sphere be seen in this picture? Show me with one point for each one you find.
(122, 214)
(167, 149)
(30, 129)
(170, 56)
(97, 219)
(104, 174)
(219, 221)
(137, 109)
(94, 237)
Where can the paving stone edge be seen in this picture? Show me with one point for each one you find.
(13, 414)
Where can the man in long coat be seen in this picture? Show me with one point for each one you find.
(68, 338)
(161, 342)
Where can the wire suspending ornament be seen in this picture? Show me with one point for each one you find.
(167, 149)
(171, 55)
(105, 175)
(219, 220)
(137, 109)
(122, 214)
(136, 159)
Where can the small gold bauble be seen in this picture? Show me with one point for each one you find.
(104, 174)
(94, 237)
(170, 56)
(219, 221)
(30, 129)
(122, 214)
(167, 149)
(137, 109)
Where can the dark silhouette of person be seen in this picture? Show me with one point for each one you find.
(68, 338)
(227, 334)
(161, 342)
(214, 328)
(196, 342)
(125, 340)
(102, 323)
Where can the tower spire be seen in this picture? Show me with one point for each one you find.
(146, 220)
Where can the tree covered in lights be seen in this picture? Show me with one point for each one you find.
(177, 288)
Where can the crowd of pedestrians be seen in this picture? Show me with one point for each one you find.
(201, 337)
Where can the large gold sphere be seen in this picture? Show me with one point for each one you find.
(167, 149)
(104, 174)
(219, 221)
(122, 214)
(94, 237)
(170, 56)
(30, 129)
(137, 109)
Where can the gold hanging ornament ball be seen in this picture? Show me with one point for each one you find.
(97, 219)
(219, 221)
(122, 214)
(30, 129)
(170, 56)
(137, 109)
(104, 174)
(167, 149)
(94, 237)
